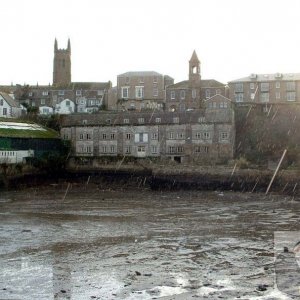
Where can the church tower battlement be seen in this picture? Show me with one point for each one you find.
(62, 65)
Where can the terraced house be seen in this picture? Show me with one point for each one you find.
(207, 134)
(275, 88)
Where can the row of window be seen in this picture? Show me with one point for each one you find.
(143, 137)
(265, 97)
(7, 153)
(142, 149)
(265, 86)
(218, 105)
(139, 92)
(62, 93)
(182, 95)
(141, 79)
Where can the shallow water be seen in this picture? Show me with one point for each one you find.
(138, 244)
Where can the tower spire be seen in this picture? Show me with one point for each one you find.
(55, 45)
(69, 45)
(194, 69)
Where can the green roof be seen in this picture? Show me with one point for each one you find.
(26, 130)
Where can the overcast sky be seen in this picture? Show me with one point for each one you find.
(232, 38)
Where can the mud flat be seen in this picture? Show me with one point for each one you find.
(90, 241)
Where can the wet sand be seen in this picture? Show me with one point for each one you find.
(96, 243)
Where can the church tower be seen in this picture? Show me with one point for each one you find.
(194, 70)
(62, 65)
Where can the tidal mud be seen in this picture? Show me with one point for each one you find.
(99, 243)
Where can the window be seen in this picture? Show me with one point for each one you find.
(214, 104)
(201, 119)
(171, 149)
(125, 92)
(1, 102)
(264, 97)
(43, 101)
(141, 137)
(154, 149)
(194, 93)
(155, 92)
(128, 136)
(139, 92)
(180, 149)
(104, 136)
(218, 92)
(197, 149)
(68, 103)
(277, 95)
(154, 136)
(45, 93)
(127, 149)
(239, 87)
(252, 85)
(176, 120)
(239, 97)
(157, 120)
(264, 87)
(141, 120)
(207, 94)
(61, 93)
(113, 136)
(198, 135)
(141, 149)
(277, 85)
(171, 135)
(290, 86)
(206, 135)
(112, 149)
(182, 94)
(88, 149)
(30, 94)
(4, 111)
(172, 95)
(205, 149)
(104, 149)
(84, 122)
(126, 121)
(290, 96)
(81, 136)
(224, 136)
(88, 136)
(180, 135)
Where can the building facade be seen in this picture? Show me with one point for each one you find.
(207, 134)
(192, 93)
(9, 108)
(143, 90)
(266, 88)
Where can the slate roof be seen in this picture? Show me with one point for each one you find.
(203, 83)
(117, 118)
(268, 77)
(9, 100)
(140, 73)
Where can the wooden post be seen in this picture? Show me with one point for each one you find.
(276, 171)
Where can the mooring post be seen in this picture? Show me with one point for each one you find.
(276, 171)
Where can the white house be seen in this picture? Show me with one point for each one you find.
(65, 107)
(45, 110)
(9, 108)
